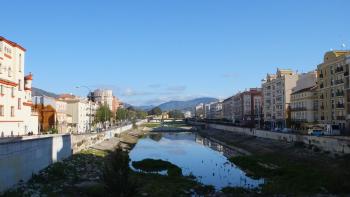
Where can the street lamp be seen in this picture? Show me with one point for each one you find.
(90, 105)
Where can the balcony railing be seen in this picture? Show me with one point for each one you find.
(340, 117)
(339, 69)
(341, 93)
(298, 109)
(340, 105)
(340, 81)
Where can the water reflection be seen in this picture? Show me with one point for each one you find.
(196, 155)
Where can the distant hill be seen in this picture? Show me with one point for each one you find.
(185, 105)
(40, 92)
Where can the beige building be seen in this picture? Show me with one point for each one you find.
(277, 89)
(304, 102)
(333, 90)
(304, 105)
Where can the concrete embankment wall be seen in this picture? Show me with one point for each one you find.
(20, 159)
(332, 144)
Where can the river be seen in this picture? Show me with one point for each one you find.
(195, 155)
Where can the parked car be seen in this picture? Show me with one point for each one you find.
(287, 130)
(277, 129)
(316, 132)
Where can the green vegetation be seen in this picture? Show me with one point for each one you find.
(129, 114)
(116, 175)
(287, 176)
(152, 124)
(155, 111)
(152, 165)
(177, 114)
(103, 114)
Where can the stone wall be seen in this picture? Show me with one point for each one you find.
(339, 145)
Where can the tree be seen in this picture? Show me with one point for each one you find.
(103, 114)
(155, 111)
(177, 114)
(116, 175)
(121, 114)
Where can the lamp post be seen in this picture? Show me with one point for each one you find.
(90, 105)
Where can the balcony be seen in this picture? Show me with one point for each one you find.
(298, 109)
(339, 69)
(340, 106)
(340, 117)
(340, 93)
(340, 81)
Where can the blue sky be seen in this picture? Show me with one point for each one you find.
(151, 51)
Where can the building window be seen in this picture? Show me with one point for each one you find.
(12, 111)
(13, 92)
(1, 110)
(20, 85)
(9, 72)
(20, 63)
(1, 90)
(1, 68)
(19, 103)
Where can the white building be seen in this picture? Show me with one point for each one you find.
(227, 108)
(82, 112)
(16, 117)
(104, 97)
(216, 110)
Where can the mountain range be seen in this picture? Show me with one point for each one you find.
(167, 106)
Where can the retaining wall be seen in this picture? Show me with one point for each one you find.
(19, 160)
(339, 145)
(23, 157)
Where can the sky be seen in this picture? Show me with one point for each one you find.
(153, 51)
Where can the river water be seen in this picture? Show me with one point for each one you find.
(195, 155)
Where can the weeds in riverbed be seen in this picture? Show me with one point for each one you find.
(116, 175)
(286, 176)
(152, 165)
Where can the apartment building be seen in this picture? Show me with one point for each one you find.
(16, 116)
(82, 112)
(304, 101)
(199, 110)
(277, 89)
(227, 108)
(247, 107)
(334, 90)
(216, 110)
(104, 97)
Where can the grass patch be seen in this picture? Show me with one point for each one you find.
(152, 165)
(151, 124)
(95, 152)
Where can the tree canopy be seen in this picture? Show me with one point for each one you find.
(103, 114)
(155, 111)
